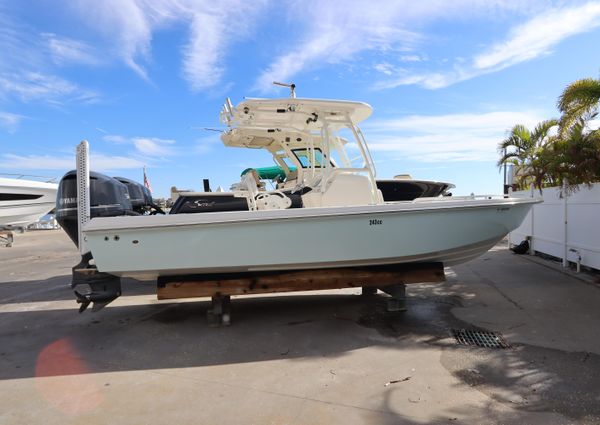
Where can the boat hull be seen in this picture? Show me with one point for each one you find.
(450, 232)
(24, 201)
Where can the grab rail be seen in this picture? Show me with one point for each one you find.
(458, 198)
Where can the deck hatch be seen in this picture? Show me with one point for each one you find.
(480, 338)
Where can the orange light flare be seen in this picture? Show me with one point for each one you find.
(64, 380)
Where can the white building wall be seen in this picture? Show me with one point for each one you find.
(566, 227)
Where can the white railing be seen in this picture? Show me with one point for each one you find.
(565, 227)
(20, 176)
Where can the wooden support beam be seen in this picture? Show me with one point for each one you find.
(290, 281)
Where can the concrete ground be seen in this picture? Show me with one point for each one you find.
(331, 357)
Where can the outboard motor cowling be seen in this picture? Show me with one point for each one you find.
(140, 196)
(108, 198)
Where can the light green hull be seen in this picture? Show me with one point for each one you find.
(447, 232)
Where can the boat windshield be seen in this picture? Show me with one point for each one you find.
(306, 159)
(290, 164)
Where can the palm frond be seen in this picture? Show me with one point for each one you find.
(577, 100)
(508, 158)
(518, 137)
(540, 133)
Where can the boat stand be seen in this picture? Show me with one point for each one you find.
(391, 279)
(219, 313)
(397, 300)
(6, 238)
(397, 293)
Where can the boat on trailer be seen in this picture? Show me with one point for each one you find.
(327, 212)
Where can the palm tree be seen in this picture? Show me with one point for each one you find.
(580, 99)
(576, 157)
(525, 149)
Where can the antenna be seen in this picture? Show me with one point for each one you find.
(208, 129)
(227, 112)
(291, 86)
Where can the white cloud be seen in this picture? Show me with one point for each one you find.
(126, 24)
(35, 86)
(434, 80)
(143, 151)
(334, 33)
(446, 138)
(10, 121)
(537, 36)
(115, 138)
(214, 26)
(98, 162)
(66, 51)
(203, 53)
(102, 162)
(17, 45)
(411, 58)
(130, 26)
(153, 146)
(26, 59)
(206, 144)
(329, 34)
(146, 146)
(534, 38)
(385, 68)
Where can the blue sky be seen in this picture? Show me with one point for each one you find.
(140, 79)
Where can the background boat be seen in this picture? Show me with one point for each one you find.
(24, 201)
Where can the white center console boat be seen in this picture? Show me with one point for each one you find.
(327, 212)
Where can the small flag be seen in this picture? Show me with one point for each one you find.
(146, 181)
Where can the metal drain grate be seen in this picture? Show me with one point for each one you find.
(480, 338)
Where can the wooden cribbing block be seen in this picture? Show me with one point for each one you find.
(172, 287)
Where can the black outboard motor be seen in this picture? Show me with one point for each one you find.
(140, 196)
(108, 198)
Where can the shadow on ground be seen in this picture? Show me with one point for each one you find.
(175, 335)
(59, 288)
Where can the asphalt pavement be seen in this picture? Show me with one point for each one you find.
(327, 357)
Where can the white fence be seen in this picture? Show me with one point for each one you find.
(566, 228)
